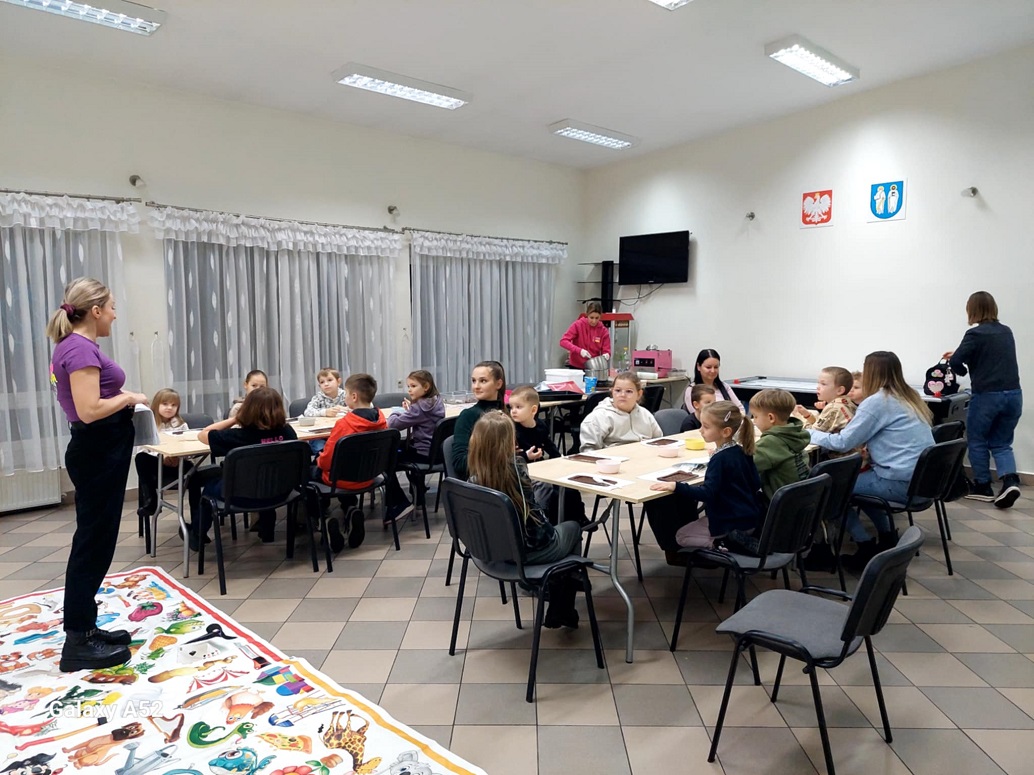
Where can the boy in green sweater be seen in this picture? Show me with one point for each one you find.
(779, 455)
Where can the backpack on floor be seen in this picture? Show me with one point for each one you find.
(941, 380)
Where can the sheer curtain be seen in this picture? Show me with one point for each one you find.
(482, 298)
(46, 242)
(287, 298)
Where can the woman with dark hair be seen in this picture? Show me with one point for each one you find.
(586, 337)
(100, 418)
(988, 355)
(705, 372)
(893, 422)
(488, 384)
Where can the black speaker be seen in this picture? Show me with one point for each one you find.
(607, 286)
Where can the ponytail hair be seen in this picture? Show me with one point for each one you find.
(725, 414)
(81, 295)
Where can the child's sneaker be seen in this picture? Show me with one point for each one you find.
(1010, 491)
(397, 512)
(981, 491)
(337, 540)
(357, 527)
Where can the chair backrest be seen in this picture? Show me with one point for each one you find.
(843, 473)
(268, 472)
(196, 421)
(590, 403)
(793, 516)
(360, 457)
(450, 470)
(878, 588)
(936, 470)
(484, 521)
(671, 420)
(948, 431)
(297, 406)
(652, 397)
(442, 431)
(386, 400)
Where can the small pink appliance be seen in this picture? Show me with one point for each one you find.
(652, 360)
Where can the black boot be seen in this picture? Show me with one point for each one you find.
(820, 559)
(561, 611)
(113, 637)
(85, 651)
(887, 540)
(1010, 491)
(855, 563)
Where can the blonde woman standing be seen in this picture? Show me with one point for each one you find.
(100, 416)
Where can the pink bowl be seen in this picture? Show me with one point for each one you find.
(608, 466)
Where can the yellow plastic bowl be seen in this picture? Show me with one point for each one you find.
(694, 443)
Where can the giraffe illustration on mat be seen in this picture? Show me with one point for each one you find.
(352, 741)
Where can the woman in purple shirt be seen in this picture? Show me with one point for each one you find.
(100, 416)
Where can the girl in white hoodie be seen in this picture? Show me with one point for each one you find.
(619, 419)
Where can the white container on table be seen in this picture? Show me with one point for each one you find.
(554, 376)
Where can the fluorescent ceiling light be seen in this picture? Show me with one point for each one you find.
(117, 14)
(394, 85)
(671, 5)
(811, 60)
(596, 135)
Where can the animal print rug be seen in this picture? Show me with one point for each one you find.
(201, 695)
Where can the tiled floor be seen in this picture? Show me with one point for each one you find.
(957, 658)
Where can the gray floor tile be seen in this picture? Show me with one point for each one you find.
(494, 704)
(569, 666)
(427, 666)
(956, 588)
(595, 749)
(741, 751)
(906, 637)
(709, 668)
(982, 570)
(440, 734)
(942, 751)
(324, 609)
(1005, 671)
(797, 706)
(293, 588)
(371, 635)
(1019, 636)
(438, 609)
(314, 657)
(395, 587)
(1000, 553)
(349, 568)
(920, 611)
(655, 706)
(372, 692)
(978, 708)
(43, 571)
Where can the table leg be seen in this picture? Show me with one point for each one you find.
(183, 524)
(152, 527)
(615, 518)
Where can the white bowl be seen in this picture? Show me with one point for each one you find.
(671, 450)
(608, 466)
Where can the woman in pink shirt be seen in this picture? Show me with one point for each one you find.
(100, 416)
(587, 337)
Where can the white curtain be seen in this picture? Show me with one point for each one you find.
(46, 242)
(287, 298)
(482, 298)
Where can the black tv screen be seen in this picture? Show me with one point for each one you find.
(647, 259)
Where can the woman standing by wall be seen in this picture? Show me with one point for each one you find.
(988, 355)
(100, 415)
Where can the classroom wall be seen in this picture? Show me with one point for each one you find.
(776, 299)
(77, 132)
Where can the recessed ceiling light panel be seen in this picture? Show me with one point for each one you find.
(587, 133)
(671, 5)
(811, 60)
(117, 14)
(395, 85)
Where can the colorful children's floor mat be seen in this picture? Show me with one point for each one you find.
(201, 695)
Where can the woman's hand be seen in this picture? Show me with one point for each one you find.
(535, 453)
(585, 353)
(663, 486)
(132, 399)
(947, 355)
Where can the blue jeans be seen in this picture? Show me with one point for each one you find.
(869, 483)
(990, 422)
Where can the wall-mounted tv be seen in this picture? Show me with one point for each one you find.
(649, 259)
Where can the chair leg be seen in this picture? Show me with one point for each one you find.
(516, 605)
(502, 591)
(754, 665)
(427, 522)
(779, 676)
(312, 538)
(459, 608)
(395, 535)
(741, 592)
(942, 521)
(219, 553)
(879, 690)
(947, 525)
(635, 540)
(452, 560)
(326, 544)
(725, 702)
(821, 716)
(681, 608)
(438, 492)
(594, 626)
(725, 583)
(233, 526)
(535, 638)
(786, 577)
(836, 556)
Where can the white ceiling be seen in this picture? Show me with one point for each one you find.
(664, 76)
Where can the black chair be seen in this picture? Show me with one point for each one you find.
(572, 421)
(297, 407)
(196, 421)
(388, 400)
(486, 525)
(843, 473)
(435, 464)
(671, 420)
(936, 470)
(358, 457)
(948, 431)
(789, 528)
(274, 474)
(821, 633)
(653, 395)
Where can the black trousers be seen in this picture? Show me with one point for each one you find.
(147, 480)
(98, 459)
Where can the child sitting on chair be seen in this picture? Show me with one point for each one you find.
(700, 396)
(779, 453)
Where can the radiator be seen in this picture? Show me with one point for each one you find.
(28, 489)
